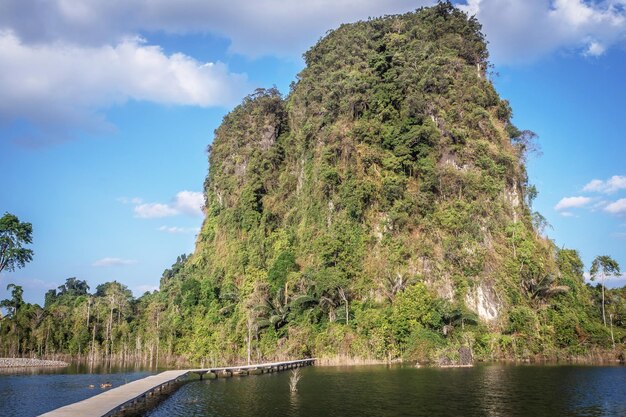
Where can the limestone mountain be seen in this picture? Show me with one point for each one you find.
(380, 209)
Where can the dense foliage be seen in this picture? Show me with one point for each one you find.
(381, 210)
(13, 236)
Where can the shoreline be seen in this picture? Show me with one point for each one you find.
(7, 363)
(596, 357)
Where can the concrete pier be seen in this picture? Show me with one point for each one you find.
(140, 394)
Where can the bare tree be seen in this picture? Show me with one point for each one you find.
(602, 267)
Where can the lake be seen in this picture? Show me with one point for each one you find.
(485, 390)
(28, 392)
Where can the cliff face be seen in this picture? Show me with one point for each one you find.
(378, 208)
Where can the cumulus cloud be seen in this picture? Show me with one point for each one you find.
(254, 28)
(189, 202)
(64, 62)
(517, 30)
(599, 205)
(521, 30)
(154, 210)
(59, 86)
(179, 230)
(610, 186)
(618, 207)
(185, 202)
(572, 202)
(113, 262)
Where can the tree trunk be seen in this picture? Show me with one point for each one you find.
(47, 335)
(603, 315)
(249, 339)
(612, 338)
(88, 311)
(109, 348)
(343, 296)
(157, 339)
(93, 341)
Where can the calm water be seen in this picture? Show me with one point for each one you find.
(489, 390)
(30, 392)
(486, 390)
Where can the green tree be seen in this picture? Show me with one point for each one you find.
(414, 308)
(602, 267)
(14, 307)
(73, 287)
(277, 274)
(50, 298)
(119, 298)
(13, 235)
(16, 301)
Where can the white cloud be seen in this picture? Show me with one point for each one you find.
(64, 62)
(594, 185)
(612, 185)
(189, 202)
(595, 49)
(521, 30)
(518, 30)
(288, 28)
(185, 202)
(154, 210)
(567, 214)
(600, 205)
(617, 207)
(254, 28)
(113, 262)
(572, 202)
(61, 86)
(179, 230)
(471, 7)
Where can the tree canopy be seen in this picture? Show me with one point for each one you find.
(13, 236)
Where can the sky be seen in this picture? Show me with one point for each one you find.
(108, 107)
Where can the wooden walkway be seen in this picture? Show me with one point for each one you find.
(139, 393)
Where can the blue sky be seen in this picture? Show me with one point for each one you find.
(108, 108)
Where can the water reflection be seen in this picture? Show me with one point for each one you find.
(294, 401)
(490, 390)
(32, 391)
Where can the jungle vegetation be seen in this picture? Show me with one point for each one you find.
(381, 209)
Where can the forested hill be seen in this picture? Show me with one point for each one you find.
(381, 206)
(380, 210)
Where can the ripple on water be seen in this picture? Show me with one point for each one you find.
(489, 390)
(30, 392)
